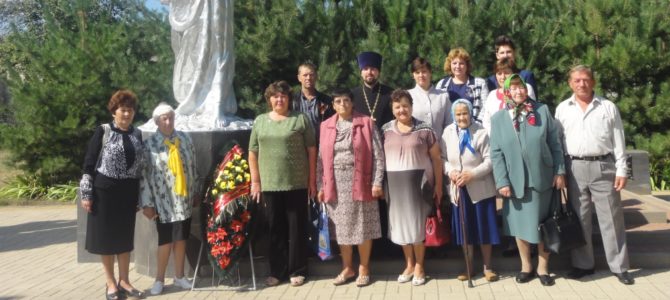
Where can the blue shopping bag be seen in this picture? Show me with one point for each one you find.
(324, 250)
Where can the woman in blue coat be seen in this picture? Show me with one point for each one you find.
(527, 162)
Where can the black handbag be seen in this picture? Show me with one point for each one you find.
(313, 225)
(562, 231)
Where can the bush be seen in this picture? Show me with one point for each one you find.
(30, 189)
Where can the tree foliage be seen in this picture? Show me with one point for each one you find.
(69, 67)
(626, 42)
(60, 80)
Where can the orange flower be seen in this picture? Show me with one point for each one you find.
(236, 225)
(224, 261)
(246, 216)
(216, 251)
(238, 239)
(211, 238)
(226, 247)
(221, 234)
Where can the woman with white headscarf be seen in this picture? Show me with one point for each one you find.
(469, 169)
(168, 189)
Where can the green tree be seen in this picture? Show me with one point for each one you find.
(626, 42)
(60, 81)
(62, 57)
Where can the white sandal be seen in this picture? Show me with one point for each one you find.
(418, 281)
(297, 280)
(402, 278)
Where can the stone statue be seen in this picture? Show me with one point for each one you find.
(202, 41)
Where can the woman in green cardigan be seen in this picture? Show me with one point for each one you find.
(527, 162)
(282, 163)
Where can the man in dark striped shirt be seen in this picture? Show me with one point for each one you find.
(316, 105)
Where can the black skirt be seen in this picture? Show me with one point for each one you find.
(173, 232)
(111, 224)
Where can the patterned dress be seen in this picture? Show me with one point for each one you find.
(157, 182)
(410, 179)
(354, 221)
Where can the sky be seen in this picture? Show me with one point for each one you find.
(155, 4)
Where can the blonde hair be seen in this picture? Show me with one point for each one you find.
(454, 54)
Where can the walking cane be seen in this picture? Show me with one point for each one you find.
(464, 233)
(461, 212)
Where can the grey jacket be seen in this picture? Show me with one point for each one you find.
(482, 185)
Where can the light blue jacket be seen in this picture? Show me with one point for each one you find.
(529, 159)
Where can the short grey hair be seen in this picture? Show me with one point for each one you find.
(162, 109)
(581, 68)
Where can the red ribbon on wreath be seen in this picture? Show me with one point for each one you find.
(242, 188)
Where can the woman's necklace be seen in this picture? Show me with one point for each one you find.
(374, 107)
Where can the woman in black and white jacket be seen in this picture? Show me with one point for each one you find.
(460, 84)
(109, 192)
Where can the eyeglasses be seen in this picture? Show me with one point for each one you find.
(342, 101)
(517, 88)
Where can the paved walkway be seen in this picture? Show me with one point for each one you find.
(38, 261)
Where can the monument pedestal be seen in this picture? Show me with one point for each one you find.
(209, 152)
(638, 172)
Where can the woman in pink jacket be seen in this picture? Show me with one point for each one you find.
(350, 171)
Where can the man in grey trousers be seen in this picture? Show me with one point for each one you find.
(594, 143)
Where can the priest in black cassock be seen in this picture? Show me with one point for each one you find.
(372, 98)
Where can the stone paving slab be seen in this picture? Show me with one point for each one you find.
(38, 261)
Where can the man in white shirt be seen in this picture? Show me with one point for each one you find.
(594, 143)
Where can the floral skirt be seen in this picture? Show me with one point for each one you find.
(354, 221)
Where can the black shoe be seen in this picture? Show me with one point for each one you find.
(577, 273)
(546, 280)
(524, 277)
(130, 294)
(624, 278)
(112, 296)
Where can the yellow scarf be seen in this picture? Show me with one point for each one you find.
(175, 165)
